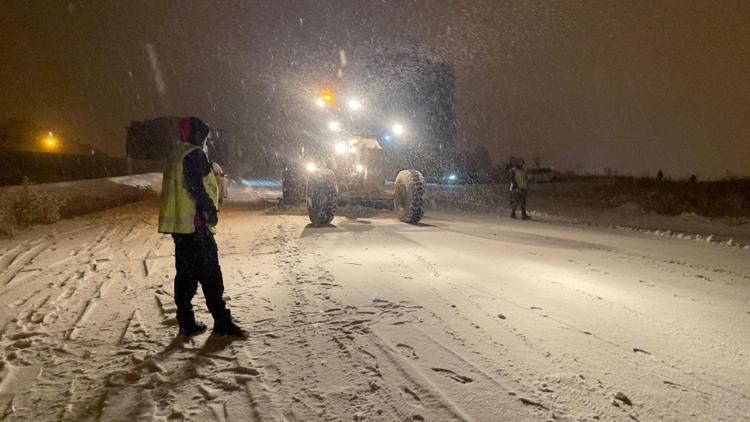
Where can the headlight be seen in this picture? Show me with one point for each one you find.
(354, 104)
(311, 167)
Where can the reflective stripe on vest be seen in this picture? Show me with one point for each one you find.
(177, 210)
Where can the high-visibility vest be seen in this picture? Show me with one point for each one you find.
(519, 176)
(178, 208)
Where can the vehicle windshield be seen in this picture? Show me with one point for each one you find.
(374, 210)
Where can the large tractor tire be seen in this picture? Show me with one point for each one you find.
(321, 197)
(408, 197)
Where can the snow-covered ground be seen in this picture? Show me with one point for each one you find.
(464, 317)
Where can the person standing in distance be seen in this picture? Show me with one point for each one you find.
(518, 188)
(188, 211)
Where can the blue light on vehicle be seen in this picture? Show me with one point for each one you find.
(261, 183)
(452, 177)
(387, 137)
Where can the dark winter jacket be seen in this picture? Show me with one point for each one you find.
(195, 168)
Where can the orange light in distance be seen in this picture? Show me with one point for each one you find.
(327, 97)
(50, 142)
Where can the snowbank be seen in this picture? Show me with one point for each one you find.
(148, 180)
(251, 197)
(575, 203)
(27, 205)
(630, 208)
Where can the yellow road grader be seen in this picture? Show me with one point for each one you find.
(353, 172)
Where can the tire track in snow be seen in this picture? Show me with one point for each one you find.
(16, 264)
(405, 402)
(614, 351)
(70, 295)
(463, 324)
(313, 290)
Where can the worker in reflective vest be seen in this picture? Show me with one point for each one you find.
(518, 188)
(188, 211)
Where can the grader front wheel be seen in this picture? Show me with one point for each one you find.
(408, 196)
(321, 197)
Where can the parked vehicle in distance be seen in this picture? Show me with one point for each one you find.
(542, 175)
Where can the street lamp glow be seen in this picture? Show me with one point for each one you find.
(355, 104)
(360, 168)
(341, 148)
(311, 167)
(398, 129)
(50, 142)
(320, 103)
(334, 126)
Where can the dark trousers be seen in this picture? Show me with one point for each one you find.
(197, 260)
(518, 199)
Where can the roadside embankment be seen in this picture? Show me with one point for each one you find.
(717, 212)
(30, 204)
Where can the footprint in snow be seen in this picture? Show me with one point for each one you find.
(453, 376)
(407, 351)
(411, 393)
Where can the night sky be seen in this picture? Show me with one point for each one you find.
(631, 85)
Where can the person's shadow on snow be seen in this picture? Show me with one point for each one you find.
(177, 365)
(216, 343)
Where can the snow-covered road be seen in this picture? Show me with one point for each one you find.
(460, 318)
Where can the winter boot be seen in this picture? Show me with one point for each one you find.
(230, 329)
(192, 330)
(225, 327)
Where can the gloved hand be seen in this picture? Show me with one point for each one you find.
(212, 216)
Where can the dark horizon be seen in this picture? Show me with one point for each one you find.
(635, 87)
